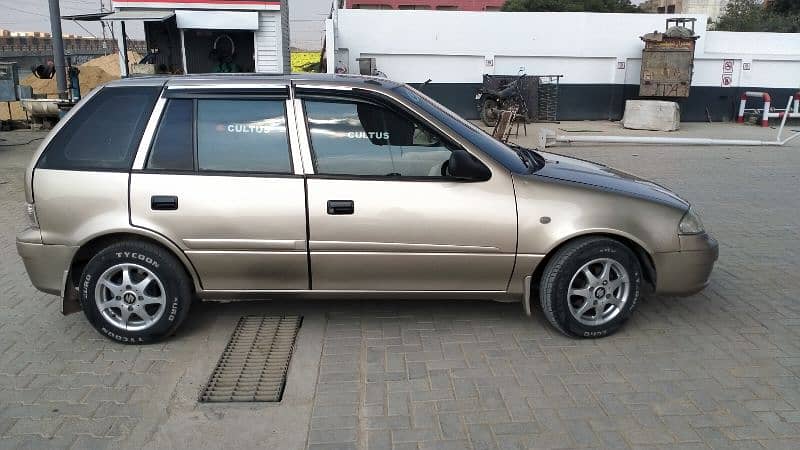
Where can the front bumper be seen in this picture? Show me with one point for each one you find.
(687, 271)
(46, 264)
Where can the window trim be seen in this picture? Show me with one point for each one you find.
(154, 136)
(196, 142)
(146, 148)
(358, 97)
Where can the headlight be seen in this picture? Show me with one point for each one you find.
(30, 212)
(690, 224)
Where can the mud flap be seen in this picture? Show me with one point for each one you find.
(526, 299)
(70, 302)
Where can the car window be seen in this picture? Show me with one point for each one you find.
(360, 138)
(489, 145)
(104, 133)
(172, 146)
(242, 136)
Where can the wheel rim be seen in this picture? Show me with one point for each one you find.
(598, 291)
(491, 112)
(130, 297)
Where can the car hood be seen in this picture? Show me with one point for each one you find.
(598, 176)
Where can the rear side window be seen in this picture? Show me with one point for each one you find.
(242, 136)
(104, 133)
(173, 145)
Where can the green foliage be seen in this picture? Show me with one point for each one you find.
(785, 6)
(570, 5)
(781, 16)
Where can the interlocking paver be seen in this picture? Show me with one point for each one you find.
(720, 369)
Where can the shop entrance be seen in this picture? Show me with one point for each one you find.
(219, 51)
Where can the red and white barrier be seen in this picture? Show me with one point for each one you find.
(755, 94)
(793, 111)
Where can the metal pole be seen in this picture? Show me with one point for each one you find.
(58, 47)
(785, 116)
(125, 51)
(670, 140)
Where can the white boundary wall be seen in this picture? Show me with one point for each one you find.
(587, 48)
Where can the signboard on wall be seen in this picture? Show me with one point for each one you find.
(727, 72)
(252, 5)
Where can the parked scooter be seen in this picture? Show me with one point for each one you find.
(491, 102)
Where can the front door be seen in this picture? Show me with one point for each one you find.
(383, 217)
(219, 182)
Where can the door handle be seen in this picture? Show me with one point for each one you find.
(341, 207)
(164, 202)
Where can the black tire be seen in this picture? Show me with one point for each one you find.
(489, 114)
(177, 290)
(558, 274)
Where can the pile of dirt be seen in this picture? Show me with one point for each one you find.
(110, 63)
(90, 78)
(93, 73)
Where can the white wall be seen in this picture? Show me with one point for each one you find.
(774, 45)
(457, 47)
(269, 43)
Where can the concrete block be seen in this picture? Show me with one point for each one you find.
(653, 115)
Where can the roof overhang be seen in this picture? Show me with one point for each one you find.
(145, 15)
(244, 5)
(94, 17)
(217, 20)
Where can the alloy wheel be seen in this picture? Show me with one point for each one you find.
(598, 291)
(130, 297)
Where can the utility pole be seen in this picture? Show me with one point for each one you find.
(58, 47)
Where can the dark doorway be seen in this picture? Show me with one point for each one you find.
(213, 51)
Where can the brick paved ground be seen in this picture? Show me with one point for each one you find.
(717, 370)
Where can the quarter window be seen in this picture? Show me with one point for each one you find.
(104, 133)
(360, 138)
(173, 145)
(242, 136)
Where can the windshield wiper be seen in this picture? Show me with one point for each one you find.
(528, 157)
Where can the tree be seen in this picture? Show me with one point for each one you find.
(780, 16)
(571, 5)
(785, 6)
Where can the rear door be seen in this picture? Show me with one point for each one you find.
(220, 182)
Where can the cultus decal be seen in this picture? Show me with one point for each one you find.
(383, 135)
(247, 128)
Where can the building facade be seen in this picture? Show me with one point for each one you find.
(440, 5)
(600, 69)
(204, 36)
(710, 8)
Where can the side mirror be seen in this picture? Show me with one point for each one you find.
(464, 165)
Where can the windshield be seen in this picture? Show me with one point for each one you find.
(491, 146)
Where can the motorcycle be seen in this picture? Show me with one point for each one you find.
(491, 102)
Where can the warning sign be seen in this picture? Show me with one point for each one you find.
(727, 80)
(727, 66)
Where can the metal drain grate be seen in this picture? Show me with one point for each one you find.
(253, 366)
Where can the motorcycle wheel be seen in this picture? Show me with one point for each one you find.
(489, 114)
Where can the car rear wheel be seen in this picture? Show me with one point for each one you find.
(135, 292)
(590, 287)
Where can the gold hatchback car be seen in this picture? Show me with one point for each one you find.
(153, 192)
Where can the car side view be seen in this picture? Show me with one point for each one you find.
(153, 192)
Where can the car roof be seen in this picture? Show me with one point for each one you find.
(255, 79)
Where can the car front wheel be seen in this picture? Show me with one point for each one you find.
(135, 292)
(590, 287)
